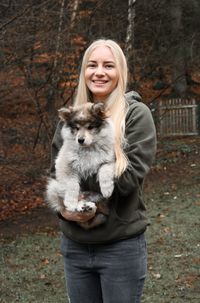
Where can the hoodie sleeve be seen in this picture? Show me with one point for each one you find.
(141, 147)
(55, 147)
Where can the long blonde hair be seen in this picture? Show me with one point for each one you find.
(116, 102)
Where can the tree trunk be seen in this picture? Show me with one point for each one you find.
(74, 5)
(130, 39)
(179, 83)
(55, 72)
(59, 35)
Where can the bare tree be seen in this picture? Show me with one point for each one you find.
(74, 4)
(129, 49)
(55, 73)
(179, 83)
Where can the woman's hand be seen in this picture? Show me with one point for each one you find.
(84, 217)
(77, 216)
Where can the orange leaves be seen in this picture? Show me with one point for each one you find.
(45, 261)
(186, 281)
(38, 45)
(19, 199)
(78, 40)
(43, 58)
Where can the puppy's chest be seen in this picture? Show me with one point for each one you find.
(88, 163)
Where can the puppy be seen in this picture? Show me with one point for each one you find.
(87, 150)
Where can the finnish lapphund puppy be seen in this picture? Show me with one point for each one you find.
(87, 151)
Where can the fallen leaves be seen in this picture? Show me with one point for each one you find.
(186, 281)
(19, 198)
(45, 261)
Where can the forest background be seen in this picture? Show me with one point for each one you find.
(41, 46)
(42, 43)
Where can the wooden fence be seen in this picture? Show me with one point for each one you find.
(177, 117)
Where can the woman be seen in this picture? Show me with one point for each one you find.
(109, 263)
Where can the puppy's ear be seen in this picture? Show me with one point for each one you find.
(64, 113)
(100, 110)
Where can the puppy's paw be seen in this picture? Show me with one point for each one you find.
(84, 206)
(107, 188)
(106, 179)
(70, 205)
(70, 208)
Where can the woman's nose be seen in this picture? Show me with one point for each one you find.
(99, 70)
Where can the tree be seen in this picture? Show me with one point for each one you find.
(130, 39)
(178, 62)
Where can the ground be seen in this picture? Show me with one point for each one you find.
(31, 264)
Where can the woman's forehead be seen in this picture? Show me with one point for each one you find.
(102, 52)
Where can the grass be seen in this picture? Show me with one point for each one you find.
(174, 247)
(31, 267)
(31, 270)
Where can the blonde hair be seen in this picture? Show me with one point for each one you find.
(116, 102)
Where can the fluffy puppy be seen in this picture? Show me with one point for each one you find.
(87, 150)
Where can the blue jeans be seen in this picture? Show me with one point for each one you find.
(110, 273)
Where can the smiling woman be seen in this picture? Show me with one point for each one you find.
(101, 75)
(108, 262)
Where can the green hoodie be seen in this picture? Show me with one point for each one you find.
(127, 216)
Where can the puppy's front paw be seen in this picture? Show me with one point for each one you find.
(106, 179)
(70, 205)
(84, 206)
(107, 188)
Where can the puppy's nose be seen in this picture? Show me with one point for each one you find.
(81, 140)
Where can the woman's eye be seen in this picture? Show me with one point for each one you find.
(109, 66)
(91, 65)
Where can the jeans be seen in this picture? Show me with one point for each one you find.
(109, 273)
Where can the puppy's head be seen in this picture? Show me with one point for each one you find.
(85, 121)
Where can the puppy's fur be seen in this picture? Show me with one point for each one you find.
(87, 150)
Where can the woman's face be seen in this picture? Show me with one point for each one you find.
(101, 74)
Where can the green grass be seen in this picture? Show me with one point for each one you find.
(31, 267)
(31, 270)
(174, 247)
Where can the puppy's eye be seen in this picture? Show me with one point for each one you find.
(75, 128)
(90, 127)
